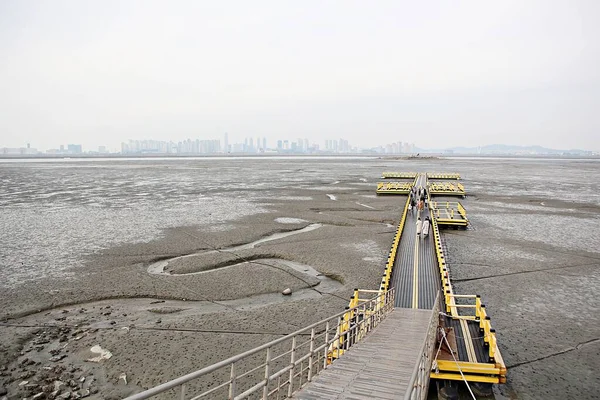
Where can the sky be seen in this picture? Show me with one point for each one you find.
(438, 73)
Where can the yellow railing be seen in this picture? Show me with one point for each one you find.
(389, 266)
(452, 308)
(394, 187)
(399, 175)
(443, 176)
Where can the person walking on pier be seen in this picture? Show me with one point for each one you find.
(419, 226)
(426, 225)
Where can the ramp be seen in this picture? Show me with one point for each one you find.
(379, 367)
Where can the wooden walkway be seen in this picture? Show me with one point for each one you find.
(378, 367)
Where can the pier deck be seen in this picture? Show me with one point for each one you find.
(377, 367)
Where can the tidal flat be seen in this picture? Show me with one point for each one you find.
(80, 239)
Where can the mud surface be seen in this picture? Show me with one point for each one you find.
(174, 265)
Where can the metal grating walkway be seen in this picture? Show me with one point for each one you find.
(416, 258)
(380, 366)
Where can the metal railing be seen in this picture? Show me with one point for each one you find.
(419, 380)
(281, 367)
(450, 300)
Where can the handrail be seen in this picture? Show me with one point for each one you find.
(485, 325)
(304, 362)
(419, 380)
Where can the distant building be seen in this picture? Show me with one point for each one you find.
(74, 149)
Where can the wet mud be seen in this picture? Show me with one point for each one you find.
(171, 266)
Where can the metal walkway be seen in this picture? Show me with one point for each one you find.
(416, 276)
(377, 367)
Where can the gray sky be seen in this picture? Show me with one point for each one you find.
(439, 73)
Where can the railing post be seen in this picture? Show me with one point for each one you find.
(183, 392)
(326, 344)
(292, 361)
(310, 357)
(267, 374)
(232, 382)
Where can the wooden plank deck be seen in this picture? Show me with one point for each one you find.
(380, 366)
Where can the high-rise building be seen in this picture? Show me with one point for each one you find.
(264, 143)
(225, 143)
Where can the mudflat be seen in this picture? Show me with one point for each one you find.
(172, 265)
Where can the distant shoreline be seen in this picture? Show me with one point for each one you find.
(431, 156)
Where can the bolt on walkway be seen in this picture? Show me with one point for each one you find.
(377, 367)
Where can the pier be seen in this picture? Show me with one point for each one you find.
(389, 342)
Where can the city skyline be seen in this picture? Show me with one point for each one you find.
(282, 146)
(441, 75)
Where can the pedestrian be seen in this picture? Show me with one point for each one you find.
(426, 225)
(419, 226)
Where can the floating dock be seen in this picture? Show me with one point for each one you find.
(394, 187)
(389, 342)
(446, 189)
(398, 175)
(449, 213)
(440, 176)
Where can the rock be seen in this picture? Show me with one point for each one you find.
(122, 379)
(84, 392)
(104, 354)
(94, 390)
(158, 321)
(66, 395)
(63, 339)
(3, 391)
(286, 292)
(54, 351)
(40, 395)
(23, 383)
(59, 386)
(26, 374)
(57, 358)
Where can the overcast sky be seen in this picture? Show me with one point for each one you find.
(436, 73)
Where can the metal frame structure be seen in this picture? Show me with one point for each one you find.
(443, 176)
(398, 175)
(449, 213)
(447, 189)
(394, 187)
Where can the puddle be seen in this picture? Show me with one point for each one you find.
(364, 205)
(288, 220)
(158, 268)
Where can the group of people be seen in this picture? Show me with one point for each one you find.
(423, 226)
(418, 199)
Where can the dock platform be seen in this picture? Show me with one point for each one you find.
(394, 187)
(446, 189)
(449, 213)
(398, 175)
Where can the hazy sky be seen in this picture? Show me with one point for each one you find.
(436, 73)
